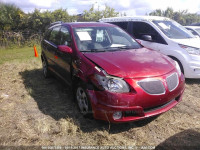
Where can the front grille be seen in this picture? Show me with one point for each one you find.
(146, 110)
(130, 113)
(172, 81)
(152, 86)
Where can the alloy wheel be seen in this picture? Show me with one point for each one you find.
(82, 100)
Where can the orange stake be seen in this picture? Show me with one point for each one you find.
(35, 50)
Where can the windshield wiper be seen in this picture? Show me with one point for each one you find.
(125, 47)
(120, 48)
(85, 51)
(97, 50)
(93, 50)
(108, 49)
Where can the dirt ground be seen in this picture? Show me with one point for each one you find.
(41, 112)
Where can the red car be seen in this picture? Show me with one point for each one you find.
(114, 78)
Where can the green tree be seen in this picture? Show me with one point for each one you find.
(182, 17)
(157, 12)
(95, 15)
(10, 17)
(39, 21)
(60, 15)
(35, 21)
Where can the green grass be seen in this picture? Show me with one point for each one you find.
(18, 54)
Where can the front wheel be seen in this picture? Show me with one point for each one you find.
(179, 63)
(83, 101)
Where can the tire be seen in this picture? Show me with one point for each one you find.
(46, 72)
(83, 101)
(179, 63)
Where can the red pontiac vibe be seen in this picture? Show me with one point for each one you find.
(114, 78)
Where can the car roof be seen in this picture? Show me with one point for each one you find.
(193, 27)
(133, 18)
(84, 24)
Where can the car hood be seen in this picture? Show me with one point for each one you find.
(193, 42)
(132, 63)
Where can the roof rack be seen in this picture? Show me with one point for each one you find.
(57, 22)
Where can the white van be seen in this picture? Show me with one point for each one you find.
(195, 30)
(164, 35)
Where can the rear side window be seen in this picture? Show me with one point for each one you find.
(47, 34)
(55, 35)
(142, 28)
(123, 25)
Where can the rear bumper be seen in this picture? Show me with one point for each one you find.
(104, 104)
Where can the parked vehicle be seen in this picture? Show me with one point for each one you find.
(166, 36)
(114, 78)
(195, 30)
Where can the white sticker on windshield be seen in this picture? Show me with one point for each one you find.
(99, 36)
(164, 26)
(84, 36)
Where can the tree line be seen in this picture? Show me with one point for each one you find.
(18, 27)
(13, 18)
(182, 17)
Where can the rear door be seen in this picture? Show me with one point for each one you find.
(45, 47)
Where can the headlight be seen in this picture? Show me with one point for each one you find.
(112, 84)
(191, 50)
(178, 68)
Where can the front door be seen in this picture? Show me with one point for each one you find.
(63, 60)
(142, 28)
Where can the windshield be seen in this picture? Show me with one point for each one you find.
(173, 30)
(198, 30)
(90, 39)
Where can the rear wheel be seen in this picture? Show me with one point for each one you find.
(45, 69)
(83, 101)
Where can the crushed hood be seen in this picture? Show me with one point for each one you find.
(132, 63)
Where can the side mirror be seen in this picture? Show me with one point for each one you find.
(65, 49)
(147, 37)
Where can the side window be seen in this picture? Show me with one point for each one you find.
(65, 36)
(47, 34)
(55, 35)
(142, 28)
(122, 25)
(193, 32)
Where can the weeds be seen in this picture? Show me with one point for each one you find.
(11, 39)
(41, 112)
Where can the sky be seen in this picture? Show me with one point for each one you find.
(130, 7)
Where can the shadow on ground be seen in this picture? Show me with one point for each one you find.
(186, 140)
(192, 81)
(56, 100)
